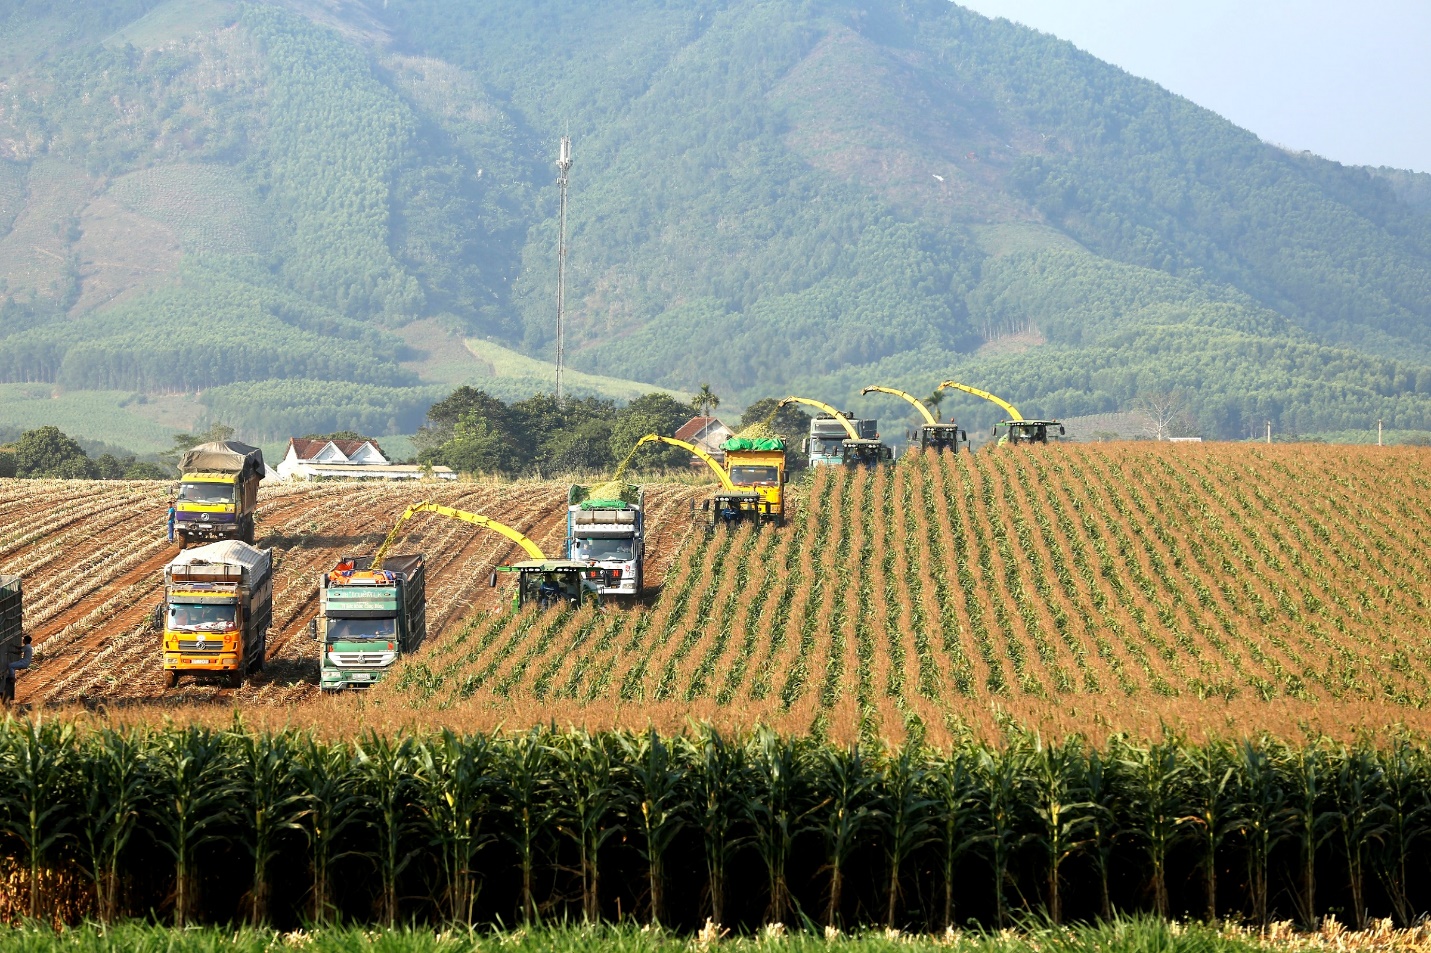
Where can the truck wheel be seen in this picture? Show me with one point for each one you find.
(171, 677)
(234, 679)
(248, 531)
(259, 659)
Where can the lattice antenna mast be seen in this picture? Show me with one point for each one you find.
(563, 167)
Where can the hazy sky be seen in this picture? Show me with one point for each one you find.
(1347, 80)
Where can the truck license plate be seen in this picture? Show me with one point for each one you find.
(199, 661)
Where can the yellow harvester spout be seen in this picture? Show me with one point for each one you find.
(719, 470)
(1013, 411)
(928, 417)
(427, 506)
(844, 421)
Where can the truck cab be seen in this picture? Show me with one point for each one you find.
(368, 618)
(758, 467)
(218, 605)
(608, 534)
(218, 492)
(825, 444)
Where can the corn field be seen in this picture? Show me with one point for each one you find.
(1094, 587)
(198, 825)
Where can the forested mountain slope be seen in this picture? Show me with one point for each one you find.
(204, 198)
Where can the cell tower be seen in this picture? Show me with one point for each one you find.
(563, 167)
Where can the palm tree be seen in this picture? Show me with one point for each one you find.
(706, 401)
(934, 400)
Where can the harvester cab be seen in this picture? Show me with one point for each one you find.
(865, 453)
(1016, 428)
(1027, 431)
(551, 583)
(933, 435)
(941, 437)
(837, 439)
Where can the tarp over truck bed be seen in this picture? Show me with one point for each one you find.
(227, 456)
(255, 563)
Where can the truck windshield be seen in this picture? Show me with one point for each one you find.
(748, 475)
(361, 629)
(207, 493)
(192, 617)
(827, 445)
(604, 548)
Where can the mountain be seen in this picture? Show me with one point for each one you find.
(323, 214)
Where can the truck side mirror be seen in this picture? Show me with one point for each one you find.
(706, 506)
(1061, 430)
(805, 445)
(313, 629)
(964, 436)
(492, 580)
(994, 431)
(784, 476)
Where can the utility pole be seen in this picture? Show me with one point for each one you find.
(563, 167)
(1269, 431)
(1378, 433)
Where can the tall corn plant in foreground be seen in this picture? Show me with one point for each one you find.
(721, 792)
(327, 773)
(455, 776)
(385, 773)
(270, 802)
(587, 814)
(1213, 809)
(658, 806)
(1061, 819)
(1362, 815)
(1153, 777)
(777, 812)
(37, 759)
(1101, 793)
(116, 790)
(1307, 782)
(909, 821)
(1264, 816)
(952, 788)
(1001, 796)
(194, 787)
(1408, 808)
(524, 767)
(846, 808)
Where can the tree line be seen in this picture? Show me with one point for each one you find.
(49, 453)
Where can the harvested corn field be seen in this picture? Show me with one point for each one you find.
(92, 557)
(1097, 588)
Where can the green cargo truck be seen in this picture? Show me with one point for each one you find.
(368, 618)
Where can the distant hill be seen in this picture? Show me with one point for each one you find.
(243, 211)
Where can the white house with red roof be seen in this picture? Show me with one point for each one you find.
(708, 433)
(349, 460)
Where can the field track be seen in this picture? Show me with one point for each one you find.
(92, 556)
(1206, 588)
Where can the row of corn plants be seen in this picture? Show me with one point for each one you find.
(198, 825)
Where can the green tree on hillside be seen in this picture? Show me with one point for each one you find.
(48, 452)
